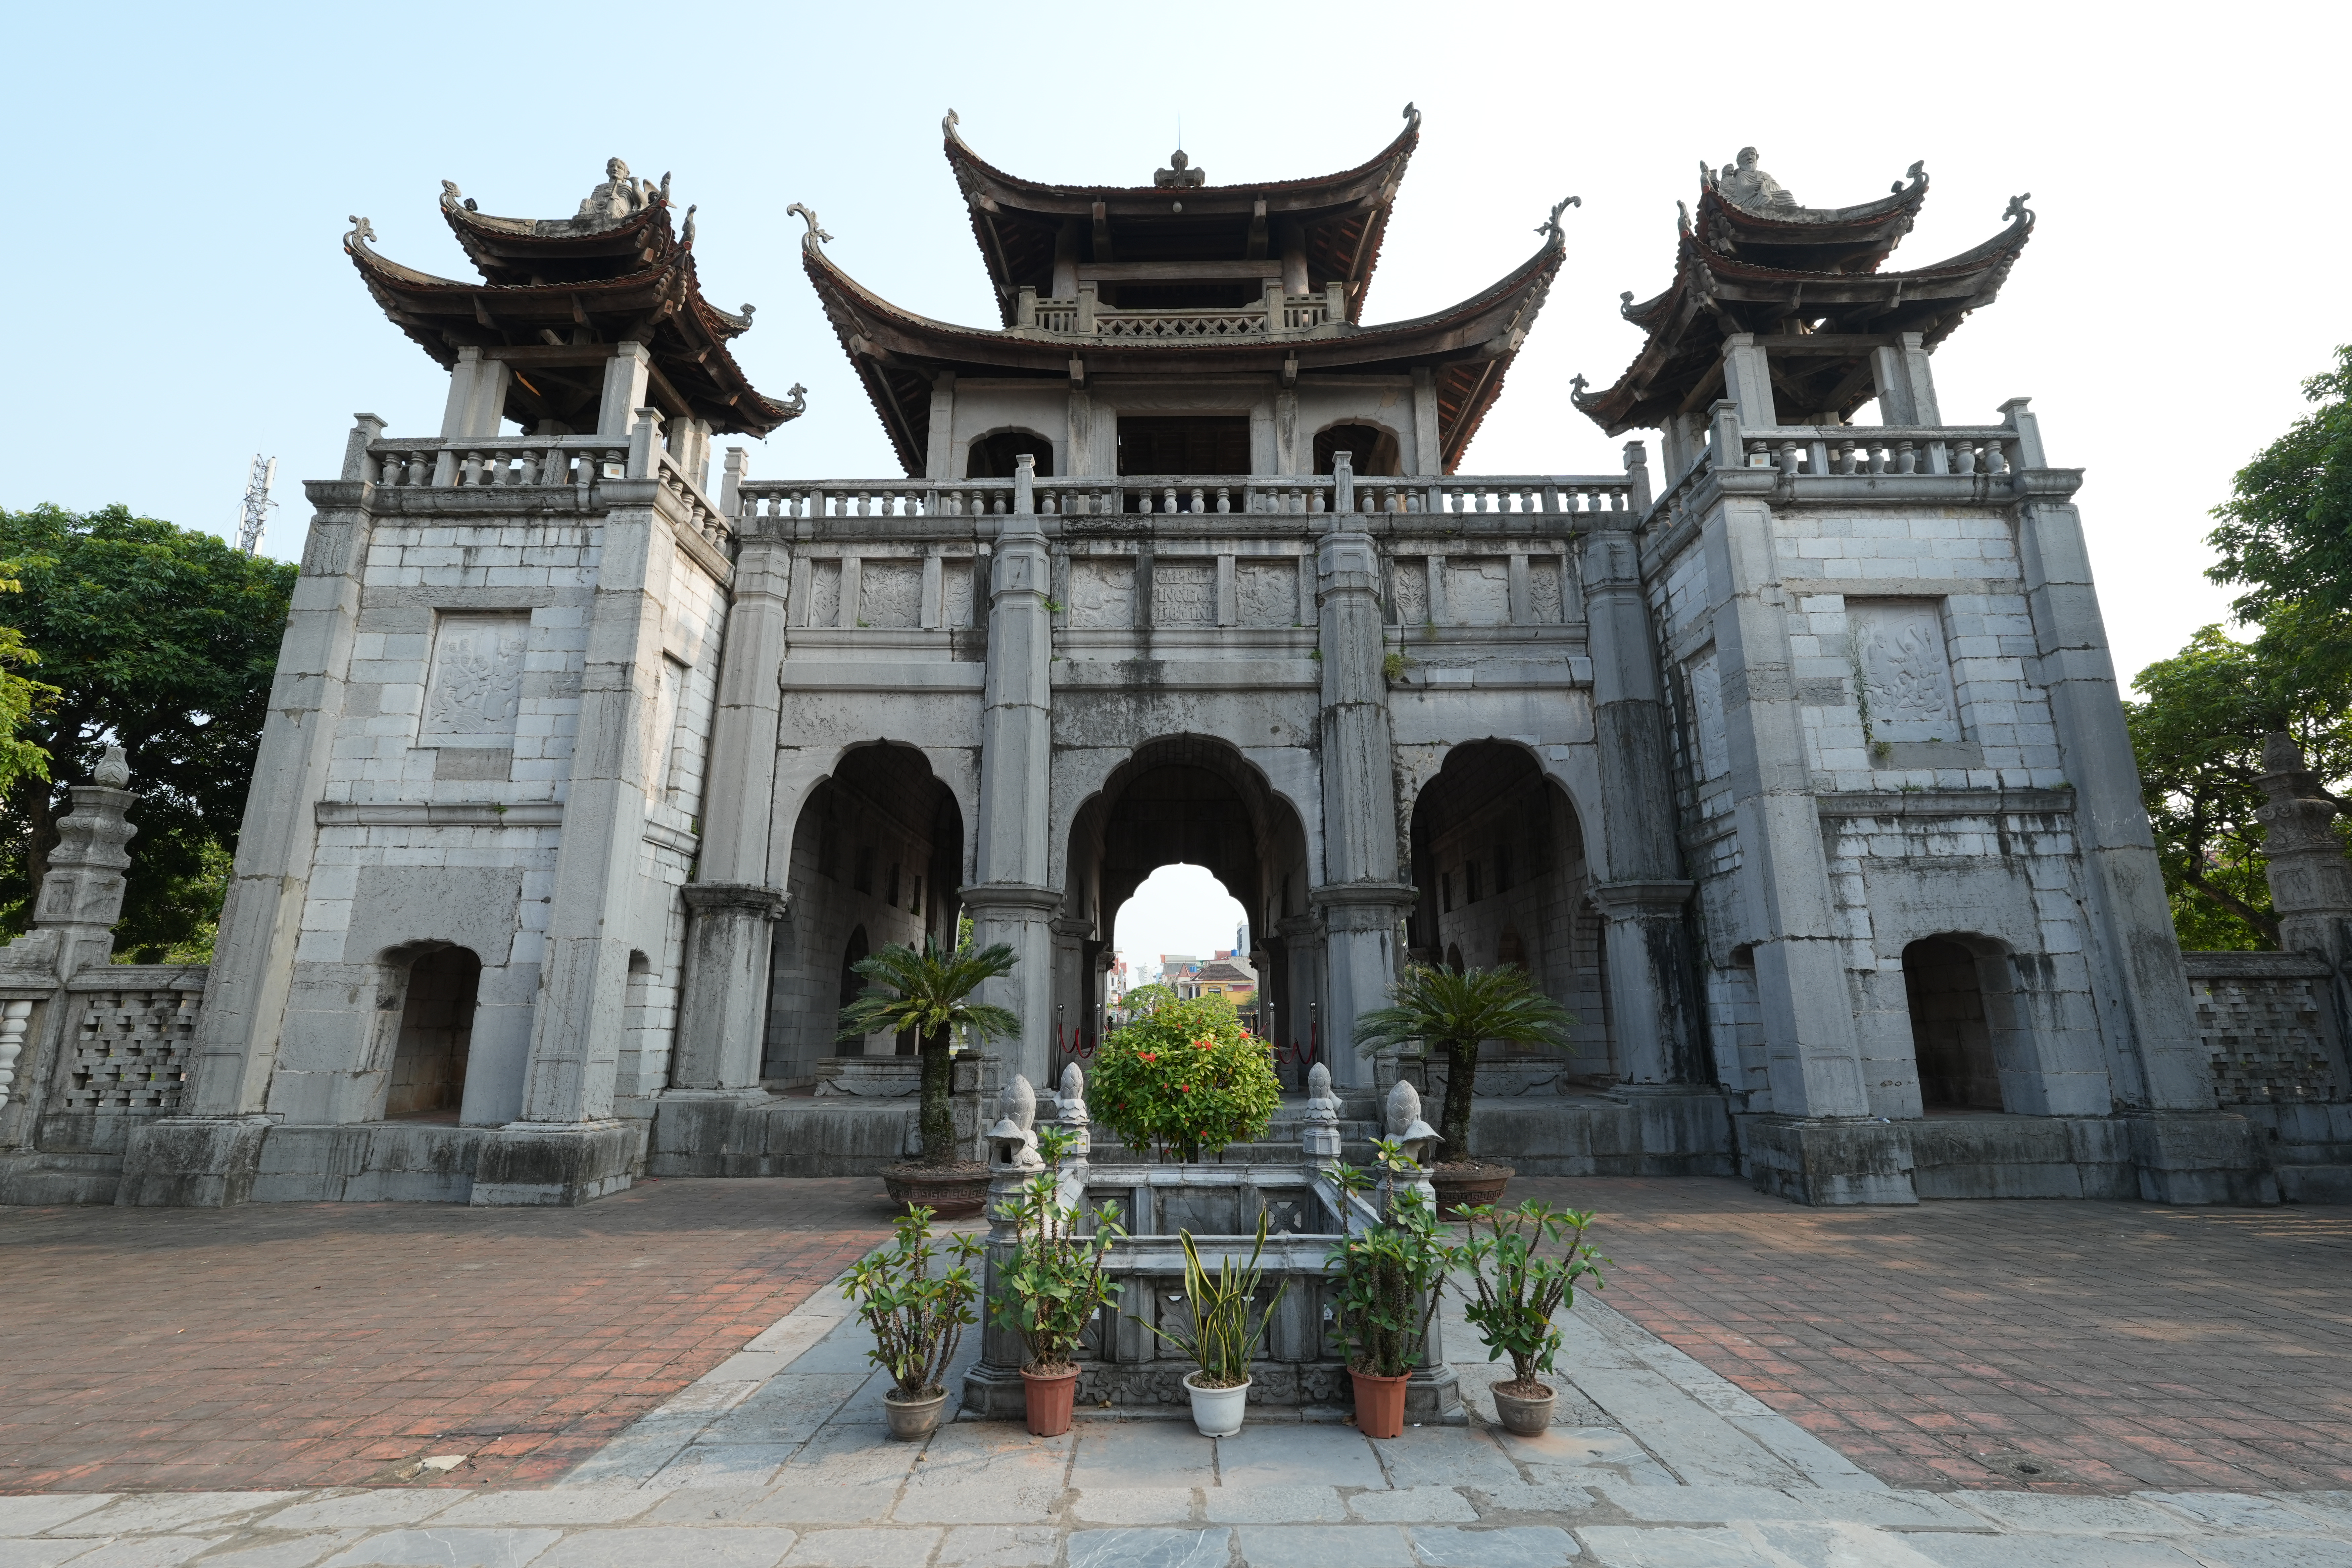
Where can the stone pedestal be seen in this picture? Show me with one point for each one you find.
(531, 1163)
(2198, 1157)
(1827, 1162)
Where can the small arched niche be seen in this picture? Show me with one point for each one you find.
(1370, 449)
(1952, 1026)
(996, 456)
(436, 1036)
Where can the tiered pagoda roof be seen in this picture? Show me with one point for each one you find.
(1208, 236)
(1752, 261)
(557, 294)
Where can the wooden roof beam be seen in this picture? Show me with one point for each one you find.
(1257, 232)
(1102, 232)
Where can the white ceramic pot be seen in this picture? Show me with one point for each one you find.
(1217, 1412)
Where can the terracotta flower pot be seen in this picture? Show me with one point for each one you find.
(951, 1192)
(1048, 1396)
(1467, 1187)
(1521, 1414)
(913, 1416)
(1380, 1403)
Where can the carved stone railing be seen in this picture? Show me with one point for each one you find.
(1550, 496)
(129, 1038)
(543, 462)
(1272, 316)
(1810, 450)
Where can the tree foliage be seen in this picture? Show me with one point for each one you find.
(20, 698)
(929, 994)
(2284, 537)
(1186, 1078)
(1457, 1008)
(164, 641)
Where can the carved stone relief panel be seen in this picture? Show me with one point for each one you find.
(1413, 593)
(1905, 668)
(1706, 715)
(1183, 593)
(824, 594)
(1102, 593)
(1478, 593)
(1266, 592)
(889, 593)
(1543, 589)
(473, 693)
(955, 592)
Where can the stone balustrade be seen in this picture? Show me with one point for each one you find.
(1275, 314)
(1551, 496)
(1815, 450)
(542, 462)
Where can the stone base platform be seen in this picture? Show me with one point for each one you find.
(2172, 1158)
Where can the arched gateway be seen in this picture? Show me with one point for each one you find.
(1182, 565)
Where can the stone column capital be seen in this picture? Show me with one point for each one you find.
(1011, 897)
(1362, 906)
(768, 903)
(1637, 897)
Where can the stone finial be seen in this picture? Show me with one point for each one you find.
(1550, 226)
(2282, 754)
(2303, 861)
(816, 235)
(1405, 1126)
(1074, 1097)
(1012, 1145)
(1322, 1105)
(1744, 184)
(113, 770)
(1179, 172)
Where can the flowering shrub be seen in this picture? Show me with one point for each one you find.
(1185, 1079)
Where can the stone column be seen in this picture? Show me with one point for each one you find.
(567, 1147)
(81, 897)
(1009, 900)
(1653, 991)
(731, 912)
(1363, 902)
(2188, 1150)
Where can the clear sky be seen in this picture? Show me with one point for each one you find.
(185, 173)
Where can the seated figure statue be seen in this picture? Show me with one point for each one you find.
(618, 198)
(1745, 185)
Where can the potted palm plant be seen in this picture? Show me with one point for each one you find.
(1518, 1287)
(1457, 1008)
(916, 1316)
(930, 994)
(1052, 1286)
(1386, 1280)
(1219, 1338)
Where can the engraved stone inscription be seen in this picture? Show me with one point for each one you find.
(1183, 593)
(1903, 668)
(476, 678)
(1102, 593)
(1411, 593)
(1266, 592)
(1478, 593)
(1707, 705)
(824, 594)
(1543, 590)
(889, 593)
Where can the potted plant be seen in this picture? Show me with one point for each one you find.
(1386, 1280)
(918, 1319)
(1519, 1288)
(1052, 1285)
(1184, 1079)
(1457, 1008)
(1219, 1339)
(928, 993)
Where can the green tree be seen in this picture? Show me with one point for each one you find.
(2285, 533)
(20, 698)
(1457, 1008)
(1185, 1078)
(929, 993)
(162, 641)
(2198, 737)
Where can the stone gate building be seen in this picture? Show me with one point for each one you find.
(1794, 765)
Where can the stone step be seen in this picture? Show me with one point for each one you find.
(36, 1178)
(2315, 1183)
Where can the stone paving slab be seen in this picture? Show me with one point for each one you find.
(2112, 1346)
(315, 1344)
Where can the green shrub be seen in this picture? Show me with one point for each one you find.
(1184, 1079)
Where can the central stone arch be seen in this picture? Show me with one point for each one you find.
(1194, 800)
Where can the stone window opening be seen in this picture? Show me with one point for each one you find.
(1510, 951)
(1502, 866)
(1470, 881)
(915, 905)
(893, 899)
(1186, 444)
(1453, 960)
(1952, 1026)
(1445, 893)
(863, 879)
(996, 456)
(437, 1034)
(1372, 451)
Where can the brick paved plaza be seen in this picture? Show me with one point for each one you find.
(661, 1378)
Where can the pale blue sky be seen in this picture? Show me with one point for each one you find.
(184, 175)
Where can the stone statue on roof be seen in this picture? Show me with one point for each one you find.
(1743, 185)
(1179, 172)
(618, 198)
